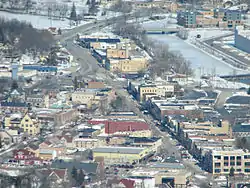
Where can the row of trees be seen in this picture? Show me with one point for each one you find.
(22, 36)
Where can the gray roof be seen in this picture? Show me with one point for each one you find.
(127, 150)
(168, 165)
(87, 167)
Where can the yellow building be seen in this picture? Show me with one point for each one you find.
(30, 126)
(169, 5)
(121, 154)
(130, 65)
(224, 128)
(117, 53)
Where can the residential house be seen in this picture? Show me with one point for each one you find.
(33, 148)
(25, 157)
(89, 168)
(6, 137)
(54, 177)
(30, 125)
(67, 140)
(47, 154)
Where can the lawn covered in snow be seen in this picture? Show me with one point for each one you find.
(39, 22)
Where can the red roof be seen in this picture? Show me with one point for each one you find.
(125, 126)
(128, 183)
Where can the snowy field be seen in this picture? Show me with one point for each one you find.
(39, 22)
(207, 33)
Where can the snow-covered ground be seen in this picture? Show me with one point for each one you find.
(217, 82)
(39, 22)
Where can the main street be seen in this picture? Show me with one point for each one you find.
(89, 67)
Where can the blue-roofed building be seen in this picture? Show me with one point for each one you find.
(40, 68)
(14, 106)
(187, 18)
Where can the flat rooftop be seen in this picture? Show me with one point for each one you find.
(124, 150)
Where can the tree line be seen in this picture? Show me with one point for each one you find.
(22, 36)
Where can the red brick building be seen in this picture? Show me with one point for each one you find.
(113, 126)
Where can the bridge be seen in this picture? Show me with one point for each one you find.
(162, 31)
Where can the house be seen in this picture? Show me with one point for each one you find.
(54, 177)
(85, 143)
(66, 140)
(30, 125)
(91, 169)
(95, 85)
(47, 154)
(6, 137)
(25, 157)
(33, 148)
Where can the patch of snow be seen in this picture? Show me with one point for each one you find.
(200, 176)
(40, 22)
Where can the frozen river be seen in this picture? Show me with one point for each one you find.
(199, 60)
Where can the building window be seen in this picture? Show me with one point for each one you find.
(247, 163)
(31, 125)
(226, 158)
(232, 163)
(225, 170)
(238, 157)
(238, 163)
(217, 164)
(26, 125)
(225, 163)
(232, 157)
(217, 170)
(247, 170)
(246, 156)
(238, 170)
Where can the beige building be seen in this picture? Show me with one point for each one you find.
(220, 161)
(161, 90)
(130, 65)
(209, 127)
(85, 143)
(117, 53)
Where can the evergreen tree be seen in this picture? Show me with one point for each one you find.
(80, 177)
(73, 15)
(88, 2)
(1, 144)
(59, 31)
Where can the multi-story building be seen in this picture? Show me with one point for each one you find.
(132, 65)
(29, 125)
(85, 143)
(231, 18)
(220, 161)
(118, 53)
(187, 18)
